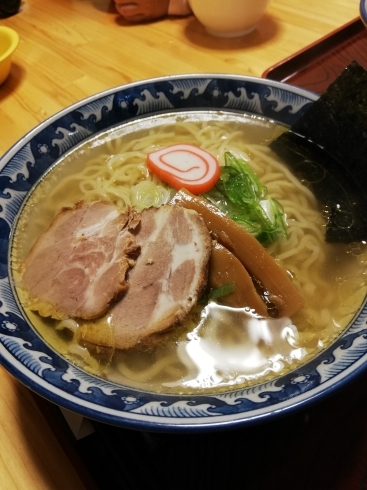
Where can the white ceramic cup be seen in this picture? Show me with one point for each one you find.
(229, 18)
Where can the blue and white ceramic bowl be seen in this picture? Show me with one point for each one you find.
(363, 11)
(24, 354)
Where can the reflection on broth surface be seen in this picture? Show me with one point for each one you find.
(217, 347)
(232, 345)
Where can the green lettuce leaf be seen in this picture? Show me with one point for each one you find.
(241, 196)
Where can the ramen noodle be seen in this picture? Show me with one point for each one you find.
(216, 348)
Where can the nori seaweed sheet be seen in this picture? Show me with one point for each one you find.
(327, 148)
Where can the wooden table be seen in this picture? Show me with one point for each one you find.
(70, 49)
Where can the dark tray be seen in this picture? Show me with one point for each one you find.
(316, 66)
(322, 447)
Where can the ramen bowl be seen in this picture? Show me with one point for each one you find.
(33, 361)
(9, 40)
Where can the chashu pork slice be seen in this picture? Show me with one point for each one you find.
(168, 277)
(77, 267)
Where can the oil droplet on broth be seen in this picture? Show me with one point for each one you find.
(231, 345)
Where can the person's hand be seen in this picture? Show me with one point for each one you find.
(143, 10)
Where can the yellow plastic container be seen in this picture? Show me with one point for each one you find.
(9, 40)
